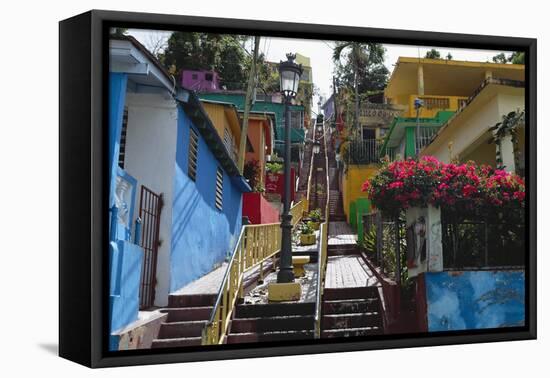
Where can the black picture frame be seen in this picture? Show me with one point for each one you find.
(83, 205)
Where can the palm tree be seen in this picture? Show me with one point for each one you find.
(365, 60)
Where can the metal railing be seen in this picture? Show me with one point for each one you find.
(297, 211)
(256, 244)
(323, 251)
(424, 136)
(363, 151)
(385, 244)
(477, 244)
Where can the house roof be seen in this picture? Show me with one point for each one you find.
(440, 76)
(127, 55)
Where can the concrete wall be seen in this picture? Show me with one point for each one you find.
(258, 209)
(150, 154)
(257, 137)
(469, 129)
(475, 300)
(202, 235)
(352, 181)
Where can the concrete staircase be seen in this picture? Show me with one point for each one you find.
(351, 312)
(272, 322)
(187, 317)
(336, 207)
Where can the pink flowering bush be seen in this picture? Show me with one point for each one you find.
(455, 187)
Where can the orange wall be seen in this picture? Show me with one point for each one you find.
(256, 135)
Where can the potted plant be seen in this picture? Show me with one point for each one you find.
(307, 234)
(315, 218)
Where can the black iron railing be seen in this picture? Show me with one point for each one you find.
(363, 151)
(473, 244)
(385, 244)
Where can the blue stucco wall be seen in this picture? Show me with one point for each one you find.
(125, 258)
(117, 98)
(475, 300)
(202, 235)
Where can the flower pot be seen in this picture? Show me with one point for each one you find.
(307, 239)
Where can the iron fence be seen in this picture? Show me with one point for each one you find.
(385, 244)
(364, 151)
(424, 136)
(478, 244)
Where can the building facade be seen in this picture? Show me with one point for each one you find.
(175, 192)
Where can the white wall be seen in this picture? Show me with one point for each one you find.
(469, 130)
(150, 158)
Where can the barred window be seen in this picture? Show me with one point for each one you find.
(122, 150)
(193, 153)
(219, 189)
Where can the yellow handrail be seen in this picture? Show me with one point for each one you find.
(323, 252)
(297, 211)
(256, 244)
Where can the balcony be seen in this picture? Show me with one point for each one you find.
(363, 151)
(435, 104)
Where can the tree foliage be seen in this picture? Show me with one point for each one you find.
(516, 57)
(222, 53)
(433, 54)
(367, 59)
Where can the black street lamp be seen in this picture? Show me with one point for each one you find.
(289, 73)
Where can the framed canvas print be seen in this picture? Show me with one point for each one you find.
(237, 188)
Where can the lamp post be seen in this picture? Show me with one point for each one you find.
(289, 73)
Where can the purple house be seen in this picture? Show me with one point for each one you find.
(200, 80)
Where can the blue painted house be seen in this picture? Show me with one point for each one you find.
(175, 192)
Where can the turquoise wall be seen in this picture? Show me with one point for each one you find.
(475, 300)
(202, 235)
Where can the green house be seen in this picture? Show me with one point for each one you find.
(402, 139)
(264, 104)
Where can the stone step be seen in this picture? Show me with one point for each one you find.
(356, 320)
(272, 324)
(350, 332)
(191, 300)
(177, 342)
(342, 249)
(273, 309)
(180, 314)
(181, 329)
(366, 292)
(252, 337)
(348, 306)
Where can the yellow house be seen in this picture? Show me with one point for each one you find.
(226, 120)
(443, 85)
(461, 102)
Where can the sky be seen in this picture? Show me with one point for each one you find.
(320, 53)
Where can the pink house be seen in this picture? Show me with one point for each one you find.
(200, 80)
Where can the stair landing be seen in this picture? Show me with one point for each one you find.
(341, 233)
(348, 271)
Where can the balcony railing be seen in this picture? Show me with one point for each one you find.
(435, 104)
(363, 151)
(424, 136)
